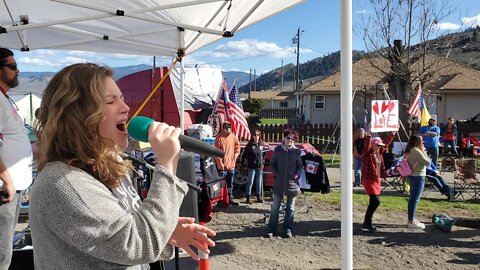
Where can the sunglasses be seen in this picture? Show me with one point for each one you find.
(12, 66)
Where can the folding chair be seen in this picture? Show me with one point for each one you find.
(393, 179)
(448, 163)
(465, 179)
(394, 182)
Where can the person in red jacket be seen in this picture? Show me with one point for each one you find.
(373, 169)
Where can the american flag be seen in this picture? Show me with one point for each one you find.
(233, 111)
(416, 103)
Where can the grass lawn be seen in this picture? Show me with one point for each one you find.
(273, 121)
(328, 160)
(400, 203)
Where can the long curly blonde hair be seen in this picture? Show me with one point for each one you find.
(68, 125)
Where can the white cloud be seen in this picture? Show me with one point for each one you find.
(38, 61)
(447, 26)
(81, 53)
(362, 11)
(72, 60)
(250, 48)
(472, 21)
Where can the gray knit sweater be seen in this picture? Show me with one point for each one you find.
(78, 223)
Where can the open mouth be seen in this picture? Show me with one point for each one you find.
(122, 127)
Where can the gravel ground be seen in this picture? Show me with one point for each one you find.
(240, 241)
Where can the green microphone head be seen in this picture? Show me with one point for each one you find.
(138, 128)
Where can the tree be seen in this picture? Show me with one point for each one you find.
(253, 106)
(399, 32)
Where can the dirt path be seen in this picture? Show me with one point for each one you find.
(316, 242)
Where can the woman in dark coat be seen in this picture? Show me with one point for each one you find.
(286, 166)
(253, 157)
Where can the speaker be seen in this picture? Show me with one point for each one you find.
(186, 171)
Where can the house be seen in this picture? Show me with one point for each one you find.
(451, 90)
(321, 101)
(275, 99)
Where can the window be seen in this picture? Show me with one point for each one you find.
(319, 102)
(284, 104)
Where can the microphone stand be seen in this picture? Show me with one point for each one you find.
(150, 167)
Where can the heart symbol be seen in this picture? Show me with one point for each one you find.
(375, 108)
(391, 105)
(384, 106)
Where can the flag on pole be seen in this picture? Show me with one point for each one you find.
(425, 116)
(415, 107)
(237, 114)
(222, 100)
(231, 106)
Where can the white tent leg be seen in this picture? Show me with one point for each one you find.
(346, 133)
(182, 96)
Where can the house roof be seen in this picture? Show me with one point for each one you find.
(272, 95)
(363, 73)
(446, 75)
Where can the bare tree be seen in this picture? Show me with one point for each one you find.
(398, 31)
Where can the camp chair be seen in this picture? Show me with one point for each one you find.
(448, 163)
(465, 179)
(393, 179)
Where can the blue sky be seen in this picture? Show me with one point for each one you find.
(262, 46)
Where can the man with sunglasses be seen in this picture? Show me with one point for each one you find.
(228, 142)
(15, 157)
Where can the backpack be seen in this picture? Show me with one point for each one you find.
(403, 168)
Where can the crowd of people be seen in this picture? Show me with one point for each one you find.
(421, 153)
(84, 210)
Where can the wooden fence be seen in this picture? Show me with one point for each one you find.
(324, 137)
(278, 113)
(319, 135)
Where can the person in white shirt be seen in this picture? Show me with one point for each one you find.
(15, 157)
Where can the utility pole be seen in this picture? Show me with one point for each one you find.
(254, 80)
(281, 84)
(250, 84)
(297, 85)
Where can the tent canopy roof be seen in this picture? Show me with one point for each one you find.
(141, 27)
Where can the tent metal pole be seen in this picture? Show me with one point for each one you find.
(135, 14)
(207, 24)
(181, 52)
(111, 13)
(182, 96)
(346, 131)
(142, 10)
(234, 29)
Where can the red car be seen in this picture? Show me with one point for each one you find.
(241, 172)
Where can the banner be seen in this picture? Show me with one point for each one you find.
(384, 115)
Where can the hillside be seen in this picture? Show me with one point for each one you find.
(461, 47)
(315, 68)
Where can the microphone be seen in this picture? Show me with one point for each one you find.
(138, 129)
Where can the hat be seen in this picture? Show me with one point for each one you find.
(377, 141)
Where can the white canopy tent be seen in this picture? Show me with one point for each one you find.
(170, 28)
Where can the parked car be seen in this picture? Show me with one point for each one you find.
(241, 172)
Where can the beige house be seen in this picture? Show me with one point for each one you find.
(452, 90)
(275, 99)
